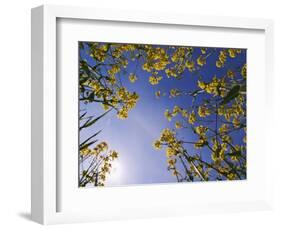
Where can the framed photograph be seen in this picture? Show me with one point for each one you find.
(142, 114)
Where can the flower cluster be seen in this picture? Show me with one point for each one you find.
(203, 111)
(179, 54)
(101, 147)
(171, 72)
(154, 80)
(235, 111)
(190, 65)
(224, 106)
(168, 138)
(156, 59)
(174, 148)
(117, 97)
(99, 162)
(129, 101)
(120, 49)
(232, 53)
(176, 110)
(98, 52)
(218, 150)
(216, 87)
(192, 118)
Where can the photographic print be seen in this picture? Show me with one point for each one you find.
(153, 113)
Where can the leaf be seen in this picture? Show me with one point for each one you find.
(84, 142)
(82, 115)
(233, 93)
(86, 145)
(91, 122)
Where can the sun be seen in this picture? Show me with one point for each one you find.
(115, 177)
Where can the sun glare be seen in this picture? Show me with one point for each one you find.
(115, 176)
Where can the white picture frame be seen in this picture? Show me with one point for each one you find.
(45, 167)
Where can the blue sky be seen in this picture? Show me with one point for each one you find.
(139, 162)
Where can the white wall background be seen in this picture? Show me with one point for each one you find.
(15, 113)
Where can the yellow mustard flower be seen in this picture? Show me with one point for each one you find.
(192, 117)
(201, 130)
(154, 80)
(226, 139)
(190, 65)
(176, 110)
(178, 125)
(95, 86)
(102, 177)
(222, 59)
(201, 60)
(200, 143)
(168, 115)
(114, 155)
(170, 152)
(114, 69)
(171, 72)
(174, 92)
(175, 172)
(231, 176)
(85, 151)
(203, 111)
(133, 78)
(184, 113)
(236, 122)
(223, 56)
(219, 150)
(167, 136)
(201, 84)
(203, 50)
(171, 162)
(157, 145)
(244, 71)
(157, 94)
(232, 53)
(219, 64)
(122, 113)
(230, 74)
(178, 55)
(224, 128)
